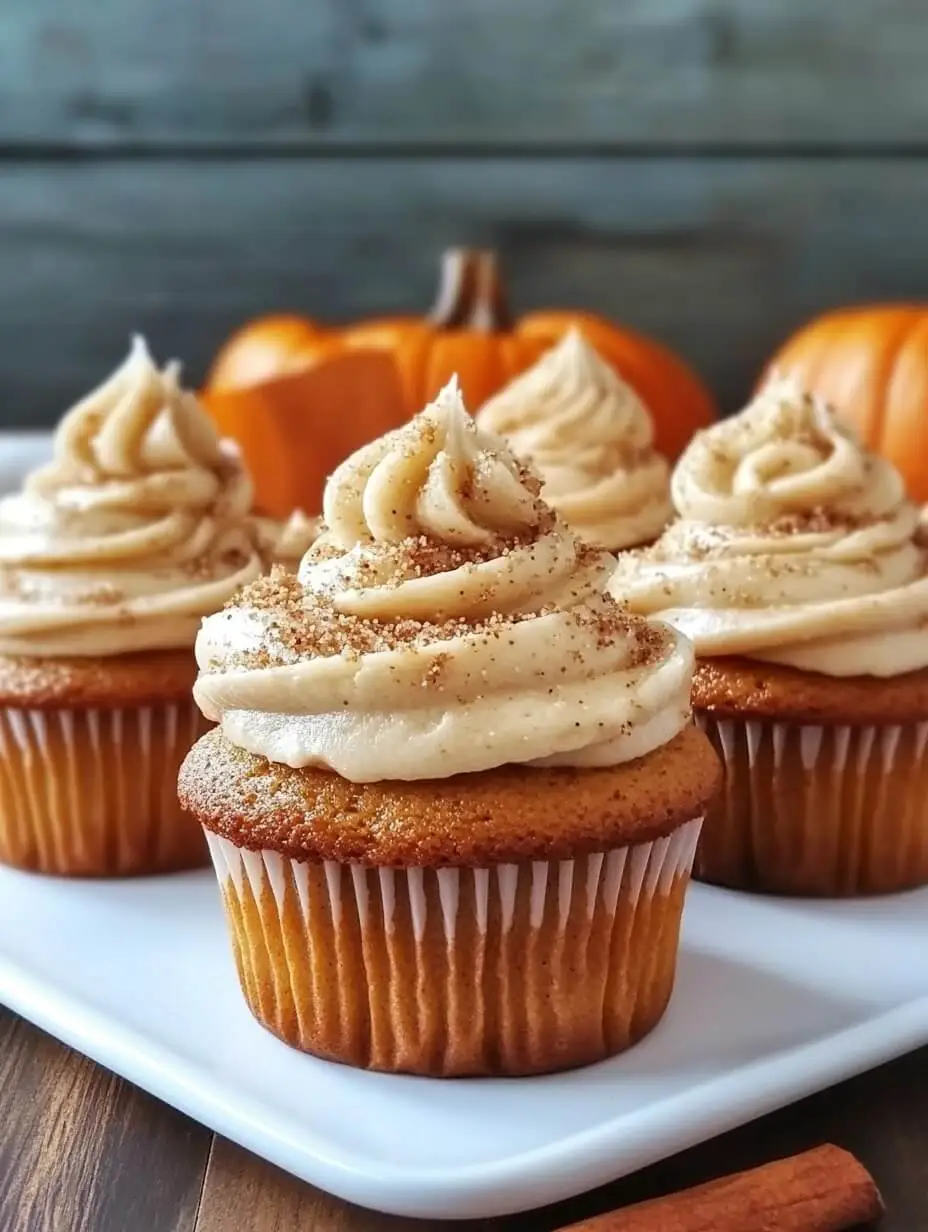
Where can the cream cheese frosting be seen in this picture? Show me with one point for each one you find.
(135, 530)
(286, 543)
(444, 622)
(793, 544)
(591, 439)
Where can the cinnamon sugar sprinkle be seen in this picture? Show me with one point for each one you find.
(306, 624)
(417, 557)
(14, 583)
(704, 541)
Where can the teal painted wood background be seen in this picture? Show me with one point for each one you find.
(713, 171)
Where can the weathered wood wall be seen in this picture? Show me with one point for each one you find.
(713, 171)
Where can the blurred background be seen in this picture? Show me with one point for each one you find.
(711, 171)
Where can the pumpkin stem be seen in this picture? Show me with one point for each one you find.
(470, 293)
(490, 313)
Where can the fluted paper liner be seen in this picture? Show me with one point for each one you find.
(517, 969)
(94, 792)
(817, 810)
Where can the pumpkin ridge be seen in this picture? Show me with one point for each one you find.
(871, 363)
(892, 351)
(817, 356)
(913, 439)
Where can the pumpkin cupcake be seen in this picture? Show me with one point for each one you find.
(798, 568)
(591, 439)
(109, 557)
(455, 790)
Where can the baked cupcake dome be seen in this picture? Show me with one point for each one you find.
(518, 920)
(591, 439)
(454, 795)
(798, 568)
(109, 557)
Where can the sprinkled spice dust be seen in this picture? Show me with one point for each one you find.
(102, 595)
(816, 521)
(393, 564)
(305, 624)
(705, 541)
(435, 671)
(216, 564)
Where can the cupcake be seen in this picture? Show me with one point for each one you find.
(455, 791)
(591, 439)
(798, 568)
(110, 555)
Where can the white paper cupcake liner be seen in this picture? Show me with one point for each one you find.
(817, 809)
(518, 968)
(94, 791)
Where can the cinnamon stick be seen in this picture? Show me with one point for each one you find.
(823, 1190)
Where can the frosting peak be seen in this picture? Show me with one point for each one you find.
(438, 476)
(785, 454)
(286, 543)
(591, 438)
(135, 529)
(139, 420)
(444, 622)
(794, 544)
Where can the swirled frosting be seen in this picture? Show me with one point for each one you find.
(591, 439)
(794, 544)
(286, 543)
(444, 622)
(134, 531)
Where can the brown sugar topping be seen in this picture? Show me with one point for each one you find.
(817, 521)
(307, 624)
(418, 556)
(704, 541)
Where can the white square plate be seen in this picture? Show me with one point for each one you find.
(774, 999)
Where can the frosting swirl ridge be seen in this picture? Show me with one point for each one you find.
(137, 527)
(591, 439)
(794, 544)
(444, 622)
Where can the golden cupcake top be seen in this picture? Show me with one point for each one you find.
(445, 621)
(135, 530)
(510, 814)
(591, 439)
(793, 544)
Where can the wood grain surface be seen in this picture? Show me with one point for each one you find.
(719, 258)
(82, 1151)
(475, 72)
(713, 171)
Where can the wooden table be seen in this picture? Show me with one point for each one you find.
(83, 1151)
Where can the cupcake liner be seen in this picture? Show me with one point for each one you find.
(93, 792)
(517, 969)
(817, 810)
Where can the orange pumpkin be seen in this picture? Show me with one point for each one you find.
(469, 332)
(294, 430)
(266, 348)
(871, 364)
